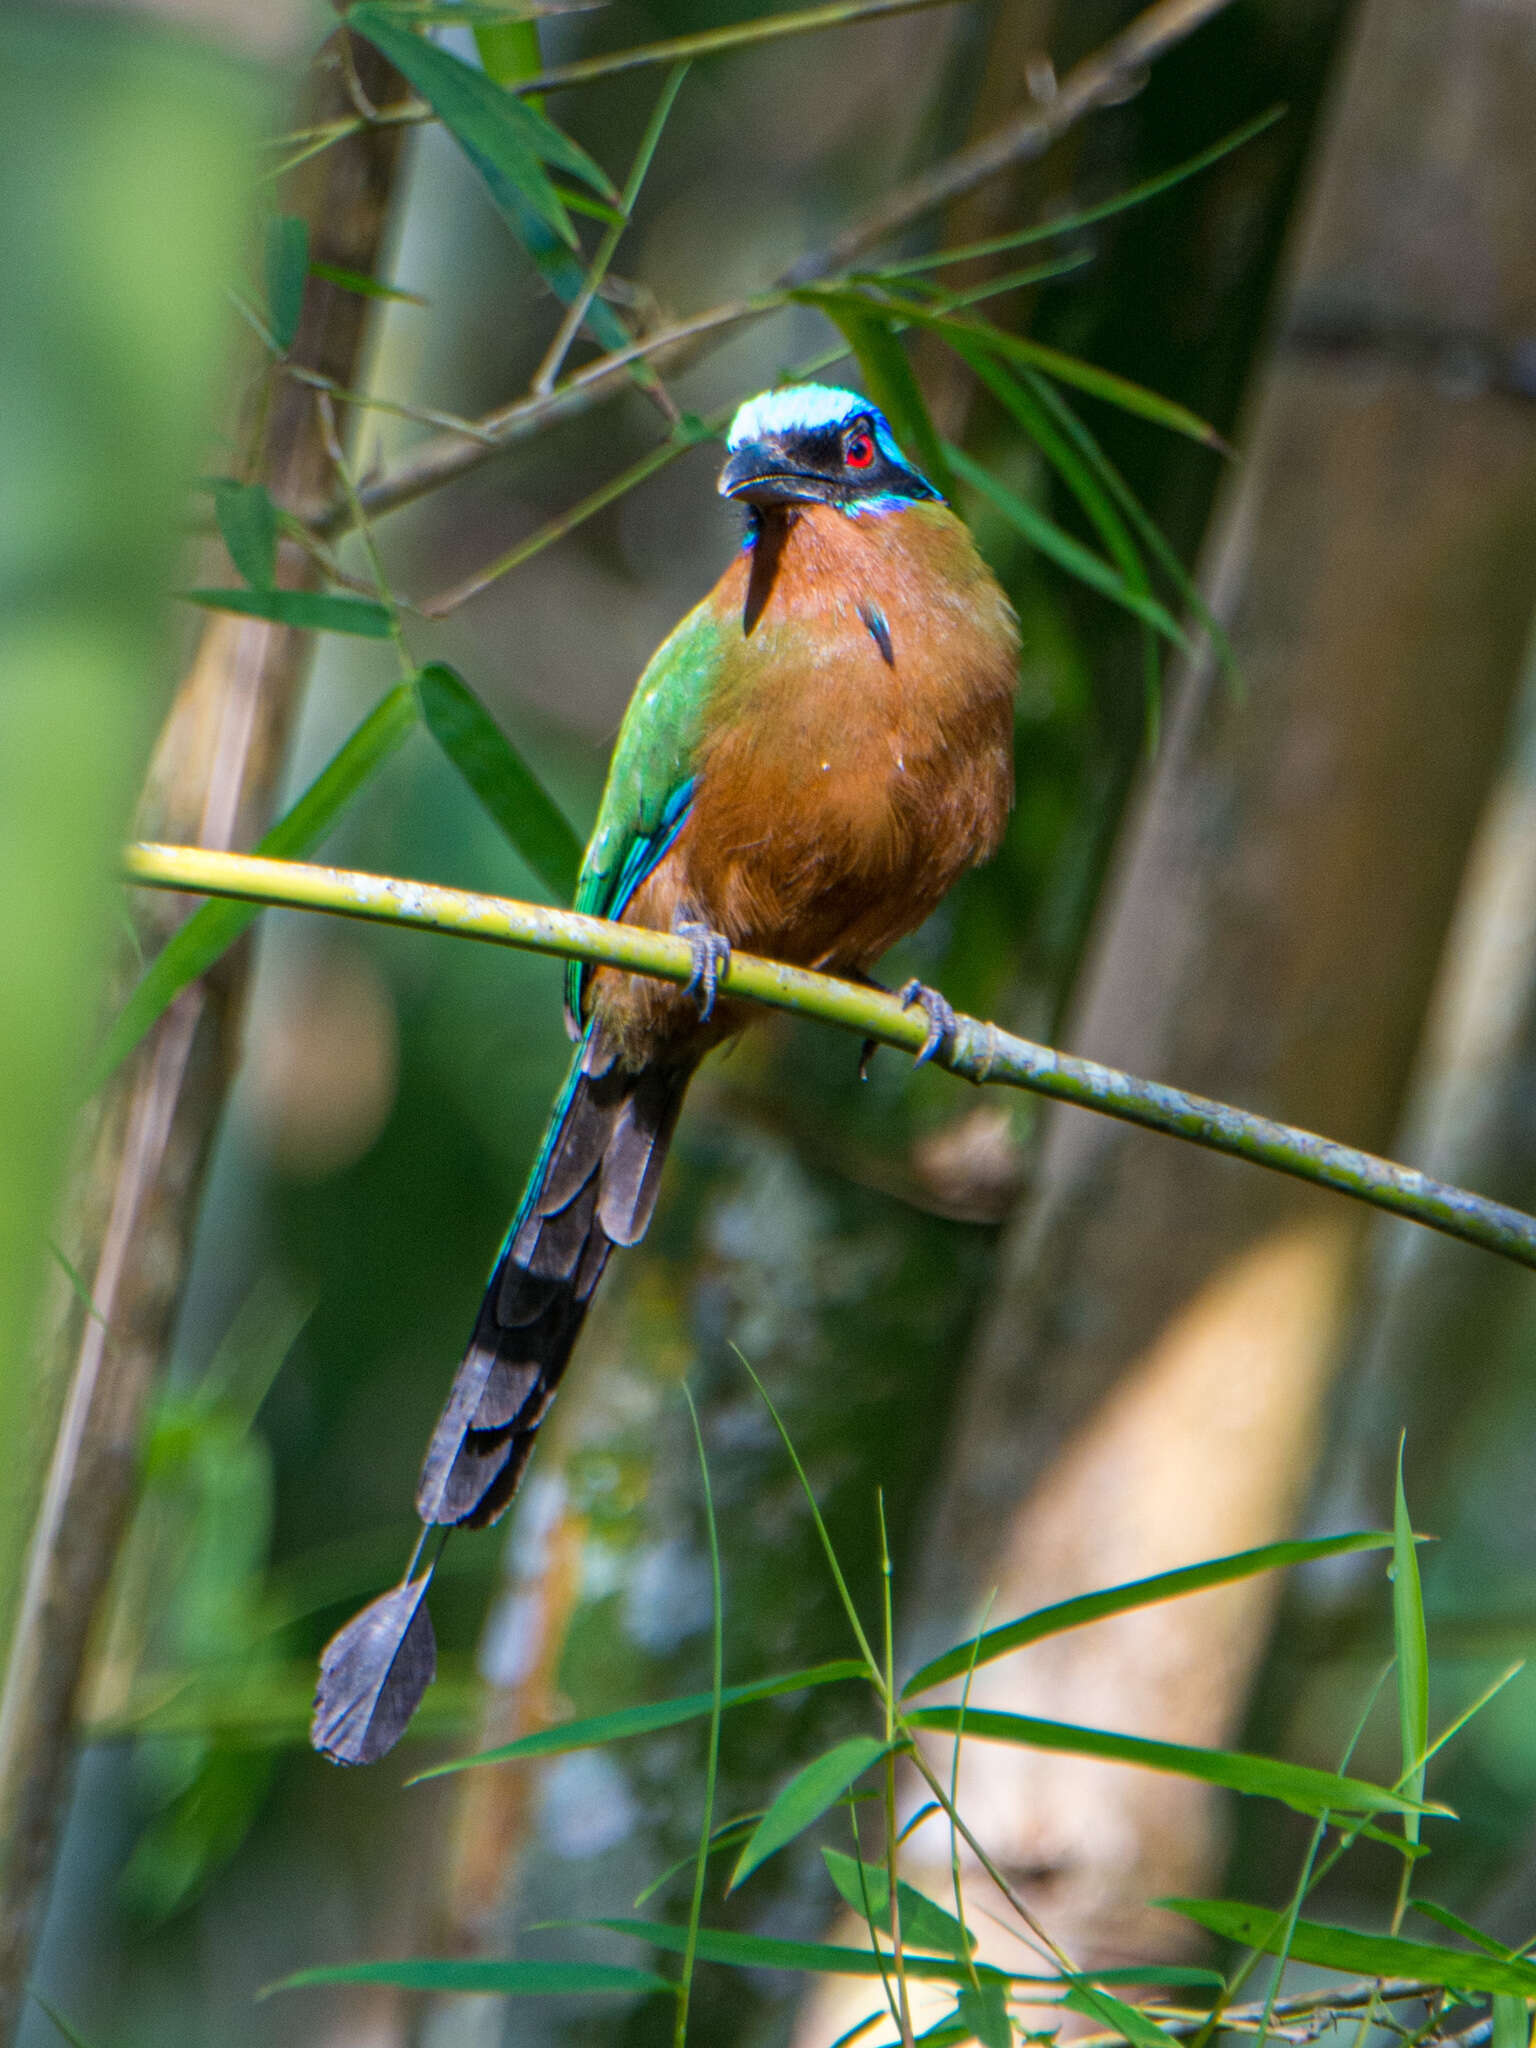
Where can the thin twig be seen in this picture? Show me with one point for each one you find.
(1098, 81)
(976, 1051)
(1092, 83)
(576, 312)
(1245, 2018)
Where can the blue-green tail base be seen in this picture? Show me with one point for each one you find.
(593, 1186)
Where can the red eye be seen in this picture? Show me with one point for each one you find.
(859, 449)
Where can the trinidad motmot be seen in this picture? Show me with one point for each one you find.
(808, 762)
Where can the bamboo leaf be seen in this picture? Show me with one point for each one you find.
(596, 1729)
(806, 1797)
(1358, 1955)
(1051, 540)
(366, 287)
(308, 611)
(287, 265)
(1071, 223)
(500, 1979)
(866, 1888)
(769, 1952)
(213, 928)
(891, 384)
(506, 140)
(982, 2010)
(1457, 1925)
(1411, 1643)
(1015, 348)
(500, 777)
(1192, 1578)
(1299, 1785)
(71, 2034)
(248, 523)
(1112, 2012)
(1511, 2021)
(373, 1674)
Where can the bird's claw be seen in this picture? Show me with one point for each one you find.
(942, 1022)
(711, 952)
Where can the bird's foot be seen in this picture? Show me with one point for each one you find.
(942, 1022)
(711, 952)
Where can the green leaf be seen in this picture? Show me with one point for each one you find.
(501, 778)
(213, 928)
(500, 1979)
(769, 1952)
(891, 384)
(983, 2012)
(1298, 1785)
(308, 611)
(1412, 1646)
(1358, 1955)
(71, 2034)
(506, 140)
(1051, 540)
(1191, 1578)
(1457, 1925)
(866, 1888)
(248, 522)
(1070, 223)
(1114, 2013)
(509, 50)
(1016, 348)
(287, 266)
(1511, 2021)
(596, 1729)
(806, 1797)
(366, 287)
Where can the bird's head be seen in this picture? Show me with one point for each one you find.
(810, 444)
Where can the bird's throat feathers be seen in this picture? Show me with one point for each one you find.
(821, 566)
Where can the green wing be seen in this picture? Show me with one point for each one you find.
(650, 778)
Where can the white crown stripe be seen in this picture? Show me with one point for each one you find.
(797, 409)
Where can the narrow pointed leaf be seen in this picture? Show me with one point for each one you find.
(506, 140)
(1358, 1955)
(71, 2033)
(1112, 2012)
(595, 1729)
(1192, 1578)
(287, 266)
(498, 1979)
(982, 2011)
(1511, 2021)
(214, 927)
(891, 384)
(1071, 223)
(1069, 554)
(366, 287)
(373, 1674)
(1412, 1647)
(248, 522)
(769, 1952)
(501, 778)
(1298, 1785)
(1457, 1925)
(806, 1797)
(1036, 355)
(309, 611)
(867, 1889)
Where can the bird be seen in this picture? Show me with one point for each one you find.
(808, 762)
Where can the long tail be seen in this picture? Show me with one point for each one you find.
(593, 1186)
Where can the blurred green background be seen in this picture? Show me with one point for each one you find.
(392, 1088)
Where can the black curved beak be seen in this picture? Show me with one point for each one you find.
(756, 474)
